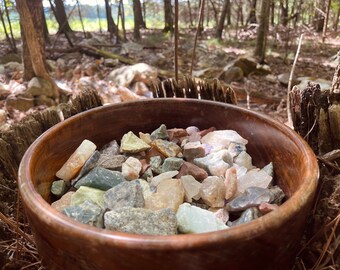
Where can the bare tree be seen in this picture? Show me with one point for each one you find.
(61, 17)
(5, 30)
(220, 26)
(252, 13)
(168, 18)
(261, 41)
(138, 18)
(111, 26)
(319, 15)
(14, 47)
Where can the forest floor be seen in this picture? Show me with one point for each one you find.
(262, 93)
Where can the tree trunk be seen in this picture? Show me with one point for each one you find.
(326, 21)
(122, 15)
(5, 29)
(272, 13)
(168, 19)
(215, 12)
(190, 14)
(45, 28)
(81, 18)
(111, 26)
(61, 17)
(336, 21)
(14, 47)
(138, 18)
(252, 14)
(220, 26)
(284, 12)
(98, 17)
(319, 18)
(200, 23)
(260, 50)
(228, 12)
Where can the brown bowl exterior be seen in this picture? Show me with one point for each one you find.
(269, 242)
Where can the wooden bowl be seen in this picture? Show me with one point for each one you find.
(269, 242)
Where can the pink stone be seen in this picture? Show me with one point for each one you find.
(63, 202)
(265, 208)
(131, 168)
(206, 131)
(176, 133)
(191, 169)
(230, 183)
(253, 178)
(213, 191)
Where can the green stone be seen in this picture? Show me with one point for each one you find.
(87, 193)
(100, 178)
(59, 188)
(132, 144)
(160, 133)
(172, 164)
(155, 164)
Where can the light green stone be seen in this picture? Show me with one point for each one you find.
(160, 133)
(172, 164)
(59, 188)
(87, 193)
(132, 144)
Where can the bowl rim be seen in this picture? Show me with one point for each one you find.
(54, 219)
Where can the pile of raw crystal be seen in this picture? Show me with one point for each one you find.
(168, 182)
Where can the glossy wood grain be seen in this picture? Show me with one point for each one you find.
(269, 242)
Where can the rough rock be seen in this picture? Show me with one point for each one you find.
(247, 216)
(87, 213)
(221, 139)
(161, 177)
(284, 79)
(141, 221)
(191, 169)
(193, 150)
(156, 164)
(59, 187)
(230, 183)
(125, 194)
(131, 168)
(231, 74)
(14, 66)
(87, 193)
(222, 214)
(266, 208)
(269, 169)
(169, 194)
(100, 178)
(63, 202)
(213, 191)
(21, 102)
(111, 162)
(236, 148)
(160, 133)
(176, 133)
(132, 144)
(191, 188)
(324, 84)
(244, 160)
(253, 178)
(38, 86)
(172, 164)
(146, 137)
(215, 163)
(166, 148)
(109, 62)
(192, 219)
(76, 161)
(145, 188)
(88, 166)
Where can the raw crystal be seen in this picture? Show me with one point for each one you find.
(111, 162)
(169, 194)
(141, 221)
(247, 216)
(155, 164)
(63, 202)
(88, 193)
(131, 168)
(193, 150)
(269, 169)
(145, 137)
(191, 188)
(132, 144)
(160, 133)
(163, 176)
(145, 188)
(213, 191)
(236, 148)
(220, 213)
(126, 194)
(100, 178)
(88, 213)
(266, 208)
(253, 178)
(88, 166)
(230, 183)
(172, 164)
(110, 149)
(244, 160)
(168, 149)
(191, 169)
(192, 219)
(220, 139)
(215, 163)
(76, 161)
(59, 187)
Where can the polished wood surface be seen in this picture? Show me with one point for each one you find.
(269, 242)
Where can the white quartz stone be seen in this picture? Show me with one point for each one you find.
(159, 178)
(220, 139)
(76, 161)
(244, 160)
(146, 188)
(191, 187)
(192, 219)
(253, 178)
(131, 168)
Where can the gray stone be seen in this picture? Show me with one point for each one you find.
(192, 150)
(231, 74)
(160, 133)
(132, 144)
(100, 178)
(172, 164)
(88, 166)
(39, 86)
(247, 216)
(247, 64)
(278, 194)
(59, 187)
(147, 175)
(109, 62)
(2, 69)
(141, 221)
(126, 194)
(87, 213)
(111, 162)
(131, 47)
(156, 164)
(284, 79)
(215, 163)
(253, 196)
(192, 219)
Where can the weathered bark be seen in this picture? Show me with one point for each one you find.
(111, 26)
(252, 13)
(33, 37)
(261, 41)
(61, 17)
(168, 19)
(138, 18)
(220, 26)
